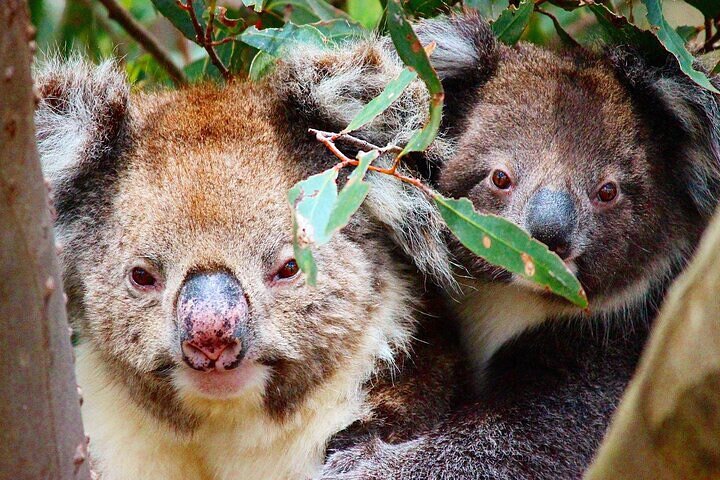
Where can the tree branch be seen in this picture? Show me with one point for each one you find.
(117, 13)
(205, 39)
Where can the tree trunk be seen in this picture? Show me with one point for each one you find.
(41, 435)
(668, 424)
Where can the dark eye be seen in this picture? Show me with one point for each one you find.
(289, 270)
(607, 192)
(501, 180)
(141, 278)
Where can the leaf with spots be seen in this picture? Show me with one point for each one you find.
(413, 54)
(379, 104)
(503, 243)
(312, 201)
(352, 195)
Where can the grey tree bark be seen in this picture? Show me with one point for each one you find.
(668, 424)
(41, 434)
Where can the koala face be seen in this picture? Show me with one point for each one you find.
(180, 269)
(563, 148)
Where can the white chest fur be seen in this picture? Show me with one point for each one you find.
(127, 443)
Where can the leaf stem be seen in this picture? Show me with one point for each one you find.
(205, 39)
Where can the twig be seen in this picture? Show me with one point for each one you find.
(328, 139)
(117, 13)
(205, 39)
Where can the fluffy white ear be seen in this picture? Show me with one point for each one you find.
(82, 113)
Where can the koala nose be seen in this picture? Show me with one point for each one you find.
(212, 315)
(551, 218)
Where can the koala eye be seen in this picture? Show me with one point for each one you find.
(289, 270)
(501, 180)
(607, 192)
(142, 279)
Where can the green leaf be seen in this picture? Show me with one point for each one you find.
(709, 8)
(179, 17)
(256, 4)
(352, 195)
(617, 30)
(565, 37)
(503, 243)
(367, 12)
(338, 30)
(686, 32)
(414, 56)
(511, 23)
(674, 44)
(716, 70)
(488, 9)
(306, 11)
(379, 104)
(312, 201)
(261, 65)
(275, 41)
(422, 139)
(409, 48)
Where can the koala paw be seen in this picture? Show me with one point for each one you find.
(372, 460)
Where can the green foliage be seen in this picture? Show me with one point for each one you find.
(512, 22)
(250, 38)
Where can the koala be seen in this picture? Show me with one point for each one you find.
(203, 353)
(611, 159)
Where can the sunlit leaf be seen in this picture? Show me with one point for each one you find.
(312, 201)
(503, 243)
(379, 104)
(512, 22)
(339, 30)
(256, 5)
(275, 41)
(367, 12)
(352, 195)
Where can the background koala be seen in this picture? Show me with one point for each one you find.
(203, 352)
(611, 159)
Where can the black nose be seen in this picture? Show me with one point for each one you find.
(551, 218)
(212, 315)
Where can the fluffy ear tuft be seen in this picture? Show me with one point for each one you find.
(694, 113)
(82, 114)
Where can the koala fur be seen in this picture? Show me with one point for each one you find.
(550, 375)
(188, 184)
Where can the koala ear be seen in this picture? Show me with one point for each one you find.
(694, 120)
(81, 116)
(81, 124)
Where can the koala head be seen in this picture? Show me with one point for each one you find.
(177, 248)
(613, 163)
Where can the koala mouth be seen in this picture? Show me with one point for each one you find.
(223, 385)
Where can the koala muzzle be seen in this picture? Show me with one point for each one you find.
(551, 218)
(212, 314)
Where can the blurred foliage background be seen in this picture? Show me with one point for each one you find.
(67, 26)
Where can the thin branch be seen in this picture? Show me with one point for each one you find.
(117, 13)
(205, 39)
(328, 139)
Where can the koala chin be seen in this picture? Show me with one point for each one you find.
(203, 352)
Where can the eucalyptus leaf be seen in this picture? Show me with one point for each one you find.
(275, 41)
(366, 12)
(312, 200)
(503, 243)
(675, 44)
(181, 18)
(512, 22)
(261, 65)
(379, 104)
(488, 9)
(257, 5)
(352, 195)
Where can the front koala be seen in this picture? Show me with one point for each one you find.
(203, 353)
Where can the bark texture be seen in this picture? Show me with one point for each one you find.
(668, 424)
(41, 435)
